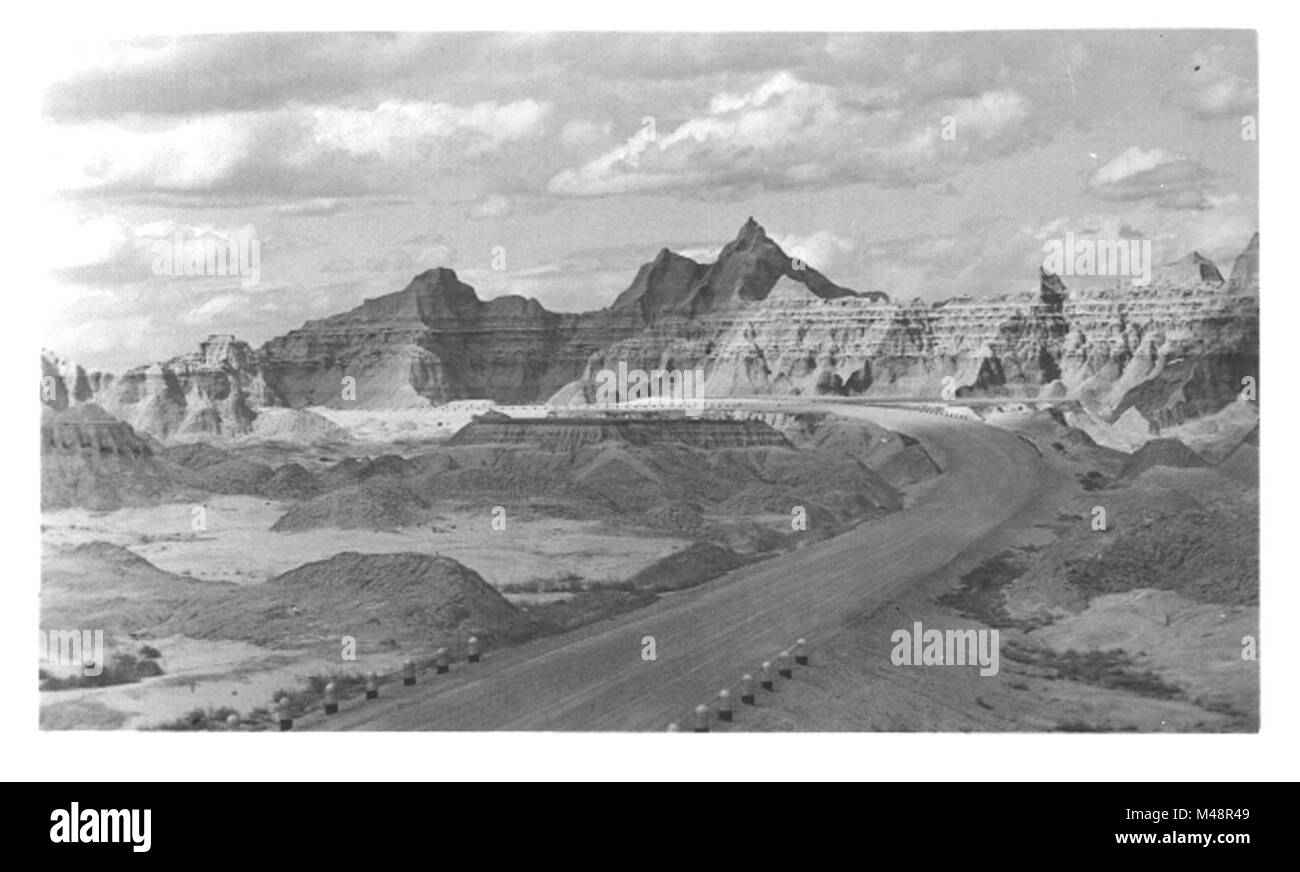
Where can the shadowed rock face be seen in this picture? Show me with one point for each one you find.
(63, 382)
(663, 285)
(755, 321)
(211, 391)
(1192, 269)
(747, 270)
(436, 341)
(1245, 269)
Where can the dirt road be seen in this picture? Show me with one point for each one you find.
(705, 638)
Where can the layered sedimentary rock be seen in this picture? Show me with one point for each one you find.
(1177, 350)
(755, 321)
(215, 390)
(570, 434)
(63, 382)
(91, 459)
(436, 341)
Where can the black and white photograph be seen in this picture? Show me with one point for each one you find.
(869, 382)
(508, 382)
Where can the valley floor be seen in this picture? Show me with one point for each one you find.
(1150, 642)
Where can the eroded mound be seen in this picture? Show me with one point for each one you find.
(1160, 452)
(373, 597)
(108, 587)
(1210, 556)
(91, 459)
(897, 458)
(693, 565)
(375, 504)
(291, 482)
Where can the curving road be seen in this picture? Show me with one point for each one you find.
(594, 678)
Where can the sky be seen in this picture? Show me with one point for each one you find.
(554, 165)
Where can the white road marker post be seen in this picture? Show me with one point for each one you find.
(701, 719)
(801, 652)
(331, 699)
(783, 665)
(747, 689)
(765, 681)
(282, 713)
(441, 656)
(472, 647)
(408, 672)
(372, 686)
(724, 705)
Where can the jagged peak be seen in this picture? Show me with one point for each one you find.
(751, 231)
(1193, 267)
(668, 256)
(1050, 286)
(441, 283)
(1245, 269)
(438, 274)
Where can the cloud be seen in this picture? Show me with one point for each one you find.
(581, 134)
(1219, 82)
(822, 250)
(213, 309)
(316, 153)
(395, 127)
(786, 133)
(490, 207)
(1187, 199)
(105, 251)
(398, 262)
(557, 286)
(216, 73)
(1137, 174)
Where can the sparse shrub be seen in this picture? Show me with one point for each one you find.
(199, 720)
(121, 669)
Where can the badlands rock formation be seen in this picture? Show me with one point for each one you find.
(436, 341)
(1245, 269)
(91, 459)
(569, 434)
(214, 390)
(756, 321)
(1173, 352)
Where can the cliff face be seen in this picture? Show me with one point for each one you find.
(214, 390)
(436, 341)
(1245, 269)
(755, 321)
(63, 382)
(1170, 357)
(1177, 350)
